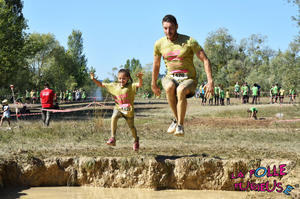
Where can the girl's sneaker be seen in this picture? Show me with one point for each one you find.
(136, 145)
(111, 141)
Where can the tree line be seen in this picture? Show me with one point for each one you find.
(29, 60)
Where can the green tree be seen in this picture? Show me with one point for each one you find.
(75, 50)
(219, 47)
(39, 48)
(12, 37)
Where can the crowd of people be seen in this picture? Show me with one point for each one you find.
(244, 92)
(47, 98)
(33, 96)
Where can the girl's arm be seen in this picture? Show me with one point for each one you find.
(140, 76)
(92, 75)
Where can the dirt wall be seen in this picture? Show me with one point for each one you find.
(140, 172)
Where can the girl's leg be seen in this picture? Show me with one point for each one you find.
(1, 121)
(114, 120)
(130, 122)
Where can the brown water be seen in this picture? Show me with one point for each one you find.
(116, 193)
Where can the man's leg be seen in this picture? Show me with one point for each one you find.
(170, 89)
(182, 92)
(48, 117)
(44, 116)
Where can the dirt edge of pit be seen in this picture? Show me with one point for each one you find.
(160, 172)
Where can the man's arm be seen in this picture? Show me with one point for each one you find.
(155, 72)
(210, 83)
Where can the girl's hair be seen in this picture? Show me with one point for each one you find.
(127, 73)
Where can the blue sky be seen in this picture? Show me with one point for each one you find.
(117, 30)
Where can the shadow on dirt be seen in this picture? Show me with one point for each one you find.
(162, 158)
(12, 193)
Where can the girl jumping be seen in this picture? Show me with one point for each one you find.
(124, 92)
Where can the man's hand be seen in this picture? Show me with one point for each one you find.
(210, 90)
(92, 75)
(156, 89)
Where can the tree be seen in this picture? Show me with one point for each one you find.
(12, 35)
(39, 48)
(75, 50)
(219, 47)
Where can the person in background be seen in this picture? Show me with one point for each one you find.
(244, 91)
(6, 112)
(254, 93)
(83, 95)
(248, 92)
(202, 94)
(227, 95)
(272, 94)
(275, 92)
(27, 96)
(281, 95)
(222, 95)
(217, 95)
(47, 98)
(33, 96)
(258, 93)
(37, 96)
(252, 112)
(237, 90)
(292, 94)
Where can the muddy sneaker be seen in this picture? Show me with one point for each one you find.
(179, 131)
(111, 142)
(172, 127)
(136, 145)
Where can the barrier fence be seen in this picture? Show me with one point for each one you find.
(55, 110)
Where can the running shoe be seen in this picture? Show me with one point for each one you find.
(172, 127)
(111, 141)
(179, 130)
(136, 145)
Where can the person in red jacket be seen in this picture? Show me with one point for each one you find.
(47, 97)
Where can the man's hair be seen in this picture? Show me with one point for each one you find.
(170, 18)
(46, 85)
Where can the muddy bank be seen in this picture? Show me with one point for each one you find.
(141, 172)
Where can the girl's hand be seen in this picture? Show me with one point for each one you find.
(140, 75)
(92, 75)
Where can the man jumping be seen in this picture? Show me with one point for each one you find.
(180, 81)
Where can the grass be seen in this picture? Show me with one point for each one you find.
(216, 131)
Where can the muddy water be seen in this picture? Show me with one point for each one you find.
(116, 193)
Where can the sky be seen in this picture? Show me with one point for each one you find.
(116, 30)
